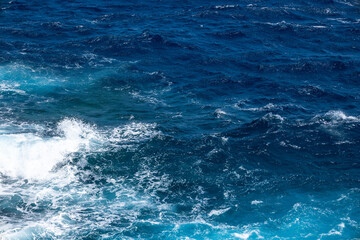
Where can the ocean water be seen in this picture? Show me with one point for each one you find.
(179, 119)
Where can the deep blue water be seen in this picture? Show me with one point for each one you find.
(179, 119)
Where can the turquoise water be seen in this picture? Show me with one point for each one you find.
(179, 120)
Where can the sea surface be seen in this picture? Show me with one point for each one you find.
(179, 119)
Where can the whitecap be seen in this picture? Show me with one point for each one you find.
(33, 151)
(32, 156)
(270, 116)
(219, 113)
(336, 115)
(256, 202)
(218, 212)
(334, 118)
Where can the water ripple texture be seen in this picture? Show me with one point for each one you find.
(179, 119)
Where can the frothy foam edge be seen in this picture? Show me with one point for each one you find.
(29, 154)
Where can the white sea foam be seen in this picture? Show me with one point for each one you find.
(319, 26)
(256, 202)
(267, 107)
(270, 117)
(74, 200)
(286, 144)
(335, 231)
(225, 6)
(7, 87)
(334, 118)
(245, 235)
(340, 116)
(219, 113)
(134, 132)
(31, 155)
(27, 153)
(218, 212)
